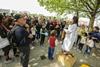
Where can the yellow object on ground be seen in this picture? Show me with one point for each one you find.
(84, 65)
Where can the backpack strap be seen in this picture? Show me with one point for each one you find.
(12, 33)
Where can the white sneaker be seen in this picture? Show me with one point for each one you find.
(77, 50)
(80, 51)
(29, 65)
(32, 48)
(18, 65)
(86, 57)
(35, 64)
(74, 47)
(93, 54)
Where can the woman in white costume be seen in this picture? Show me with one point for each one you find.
(70, 36)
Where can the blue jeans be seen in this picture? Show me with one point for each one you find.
(37, 34)
(88, 50)
(50, 53)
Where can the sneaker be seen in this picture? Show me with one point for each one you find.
(7, 61)
(42, 46)
(75, 48)
(80, 51)
(97, 57)
(86, 57)
(32, 48)
(93, 54)
(35, 64)
(18, 65)
(16, 55)
(52, 58)
(29, 65)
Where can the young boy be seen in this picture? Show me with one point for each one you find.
(82, 42)
(51, 41)
(89, 46)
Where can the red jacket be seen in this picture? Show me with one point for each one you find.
(52, 40)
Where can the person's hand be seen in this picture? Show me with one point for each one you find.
(48, 41)
(11, 26)
(68, 33)
(8, 30)
(60, 42)
(30, 36)
(26, 25)
(94, 38)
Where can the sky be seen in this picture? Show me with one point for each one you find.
(25, 5)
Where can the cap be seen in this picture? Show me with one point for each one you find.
(18, 16)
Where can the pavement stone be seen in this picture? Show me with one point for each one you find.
(35, 60)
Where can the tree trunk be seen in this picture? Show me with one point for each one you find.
(92, 18)
(77, 14)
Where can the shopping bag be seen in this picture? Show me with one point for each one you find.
(4, 42)
(46, 33)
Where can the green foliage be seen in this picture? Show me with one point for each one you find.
(58, 6)
(62, 6)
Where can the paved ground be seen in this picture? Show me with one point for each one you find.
(35, 60)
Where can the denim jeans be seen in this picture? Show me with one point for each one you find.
(24, 55)
(50, 53)
(37, 35)
(88, 50)
(42, 40)
(80, 46)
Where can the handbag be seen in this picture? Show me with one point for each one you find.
(3, 42)
(46, 33)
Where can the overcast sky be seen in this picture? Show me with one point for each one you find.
(24, 5)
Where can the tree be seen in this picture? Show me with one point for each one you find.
(90, 7)
(59, 6)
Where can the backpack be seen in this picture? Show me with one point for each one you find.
(11, 36)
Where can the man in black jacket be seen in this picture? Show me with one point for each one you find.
(22, 39)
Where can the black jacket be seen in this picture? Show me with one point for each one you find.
(22, 36)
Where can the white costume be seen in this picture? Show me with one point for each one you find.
(71, 34)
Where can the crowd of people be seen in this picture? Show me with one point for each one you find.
(22, 31)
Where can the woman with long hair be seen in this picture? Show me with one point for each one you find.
(70, 35)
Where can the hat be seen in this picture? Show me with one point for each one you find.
(17, 16)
